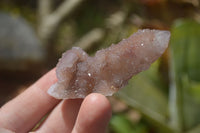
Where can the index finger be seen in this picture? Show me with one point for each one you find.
(24, 111)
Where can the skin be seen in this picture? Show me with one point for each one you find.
(22, 113)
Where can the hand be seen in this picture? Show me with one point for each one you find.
(21, 114)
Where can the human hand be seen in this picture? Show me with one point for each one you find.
(21, 114)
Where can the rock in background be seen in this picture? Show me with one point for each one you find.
(19, 45)
(21, 56)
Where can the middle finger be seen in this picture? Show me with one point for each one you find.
(62, 118)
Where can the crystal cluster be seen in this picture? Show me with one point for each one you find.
(110, 69)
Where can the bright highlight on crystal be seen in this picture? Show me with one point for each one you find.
(110, 69)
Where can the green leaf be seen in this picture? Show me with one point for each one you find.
(144, 93)
(121, 124)
(185, 46)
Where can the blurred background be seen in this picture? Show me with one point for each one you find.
(163, 99)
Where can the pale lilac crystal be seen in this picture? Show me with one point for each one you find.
(110, 69)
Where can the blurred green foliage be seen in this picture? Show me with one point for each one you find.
(121, 124)
(186, 69)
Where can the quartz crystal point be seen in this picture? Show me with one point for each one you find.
(110, 69)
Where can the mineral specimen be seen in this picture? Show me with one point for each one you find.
(110, 69)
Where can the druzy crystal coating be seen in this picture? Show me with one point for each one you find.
(110, 69)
